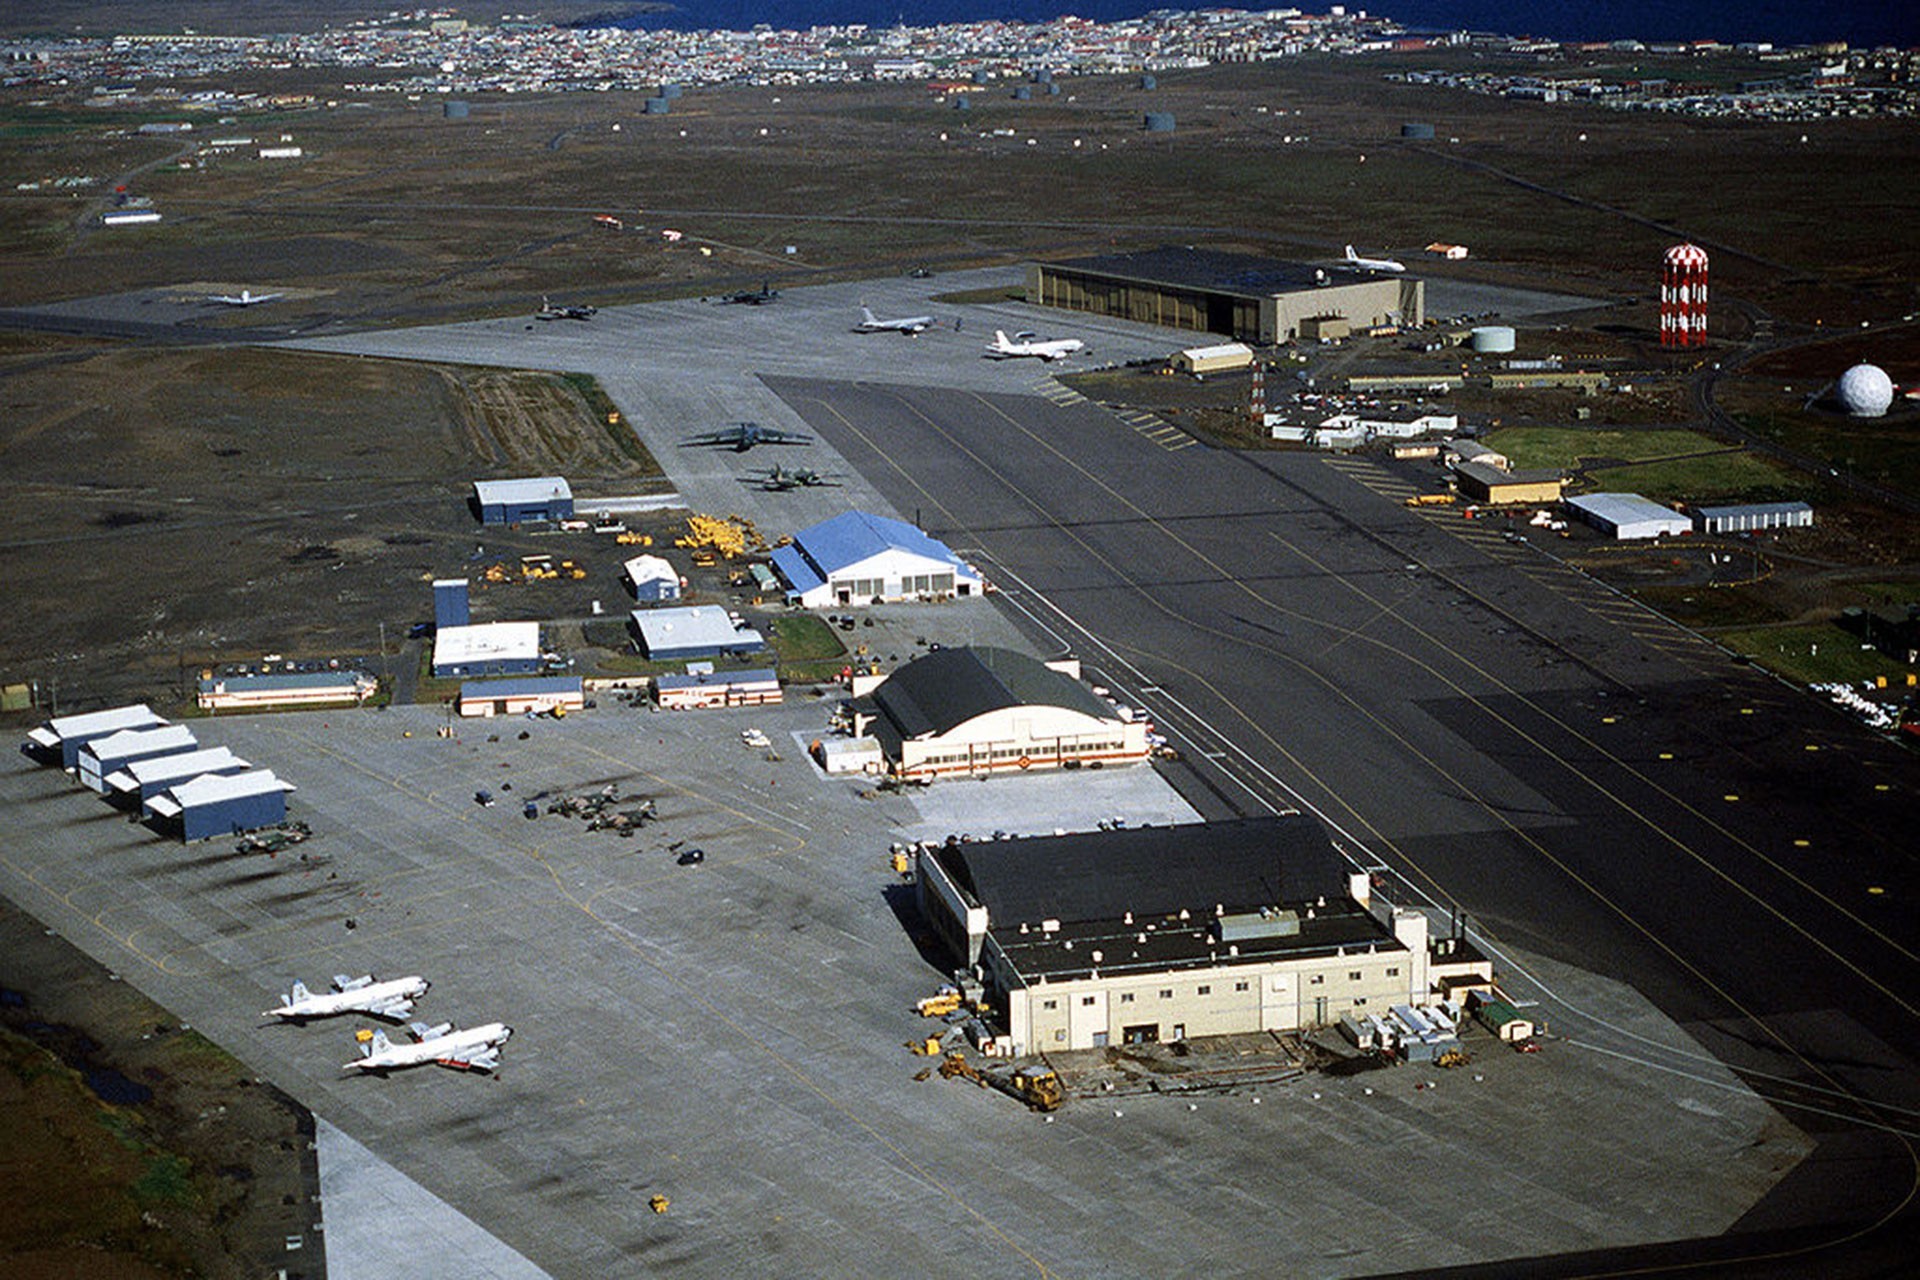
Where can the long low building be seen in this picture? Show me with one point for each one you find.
(699, 690)
(695, 631)
(1243, 297)
(1169, 933)
(1752, 517)
(972, 711)
(285, 689)
(516, 697)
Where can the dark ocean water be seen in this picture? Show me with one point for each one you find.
(1858, 22)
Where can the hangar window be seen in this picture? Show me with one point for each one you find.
(1166, 993)
(1060, 1033)
(1049, 1004)
(1126, 997)
(1317, 979)
(1203, 991)
(1239, 986)
(1353, 975)
(1086, 1002)
(1394, 972)
(1358, 1001)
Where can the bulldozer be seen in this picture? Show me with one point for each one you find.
(1036, 1085)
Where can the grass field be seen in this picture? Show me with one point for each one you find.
(1665, 465)
(1813, 653)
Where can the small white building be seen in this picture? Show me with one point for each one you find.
(652, 580)
(285, 689)
(1628, 516)
(1753, 516)
(1221, 358)
(487, 649)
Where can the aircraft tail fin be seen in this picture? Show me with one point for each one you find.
(299, 993)
(1351, 255)
(866, 313)
(376, 1043)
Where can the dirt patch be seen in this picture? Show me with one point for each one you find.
(135, 1147)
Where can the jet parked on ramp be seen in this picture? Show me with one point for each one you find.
(245, 298)
(1004, 348)
(392, 999)
(475, 1050)
(1354, 262)
(870, 323)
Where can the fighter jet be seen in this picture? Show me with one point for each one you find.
(392, 999)
(1354, 262)
(870, 323)
(1003, 348)
(780, 480)
(742, 436)
(548, 311)
(245, 298)
(752, 297)
(474, 1050)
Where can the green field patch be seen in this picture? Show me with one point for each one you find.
(1812, 653)
(801, 637)
(1661, 464)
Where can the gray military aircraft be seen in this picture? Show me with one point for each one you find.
(742, 436)
(752, 297)
(780, 480)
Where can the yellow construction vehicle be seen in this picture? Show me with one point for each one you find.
(939, 1006)
(1430, 499)
(631, 539)
(658, 1203)
(1039, 1087)
(537, 568)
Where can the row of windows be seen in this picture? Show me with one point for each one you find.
(1206, 988)
(926, 583)
(861, 588)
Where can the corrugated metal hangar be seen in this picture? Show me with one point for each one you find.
(859, 558)
(538, 498)
(1627, 516)
(1250, 299)
(1168, 933)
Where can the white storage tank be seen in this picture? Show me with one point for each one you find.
(1493, 338)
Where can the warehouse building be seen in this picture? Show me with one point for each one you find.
(535, 499)
(975, 711)
(652, 580)
(487, 649)
(1496, 486)
(697, 631)
(1155, 934)
(221, 805)
(859, 558)
(1752, 517)
(285, 689)
(1628, 516)
(1248, 299)
(59, 740)
(103, 756)
(1224, 357)
(698, 690)
(528, 695)
(140, 781)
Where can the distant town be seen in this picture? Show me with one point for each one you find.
(436, 51)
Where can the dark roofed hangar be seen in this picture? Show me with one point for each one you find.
(1250, 299)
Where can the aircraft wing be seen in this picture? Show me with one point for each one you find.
(394, 1006)
(476, 1058)
(729, 435)
(773, 435)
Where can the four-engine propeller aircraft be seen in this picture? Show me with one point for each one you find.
(780, 480)
(870, 323)
(752, 297)
(477, 1049)
(245, 298)
(742, 436)
(1003, 348)
(1355, 262)
(548, 311)
(393, 999)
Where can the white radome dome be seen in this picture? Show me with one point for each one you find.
(1865, 391)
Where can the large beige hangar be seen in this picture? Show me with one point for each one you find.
(974, 711)
(1249, 299)
(1168, 933)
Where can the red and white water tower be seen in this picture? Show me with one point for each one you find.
(1683, 297)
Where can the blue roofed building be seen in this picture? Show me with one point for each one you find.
(860, 558)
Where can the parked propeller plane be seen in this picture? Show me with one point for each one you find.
(477, 1049)
(393, 999)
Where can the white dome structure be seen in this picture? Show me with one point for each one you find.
(1865, 391)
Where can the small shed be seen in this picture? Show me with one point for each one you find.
(1220, 358)
(652, 580)
(536, 694)
(755, 688)
(103, 756)
(1628, 516)
(220, 805)
(538, 498)
(850, 755)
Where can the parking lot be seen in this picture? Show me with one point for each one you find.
(730, 1033)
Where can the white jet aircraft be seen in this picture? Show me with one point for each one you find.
(393, 999)
(477, 1049)
(1358, 263)
(245, 298)
(870, 323)
(1003, 348)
